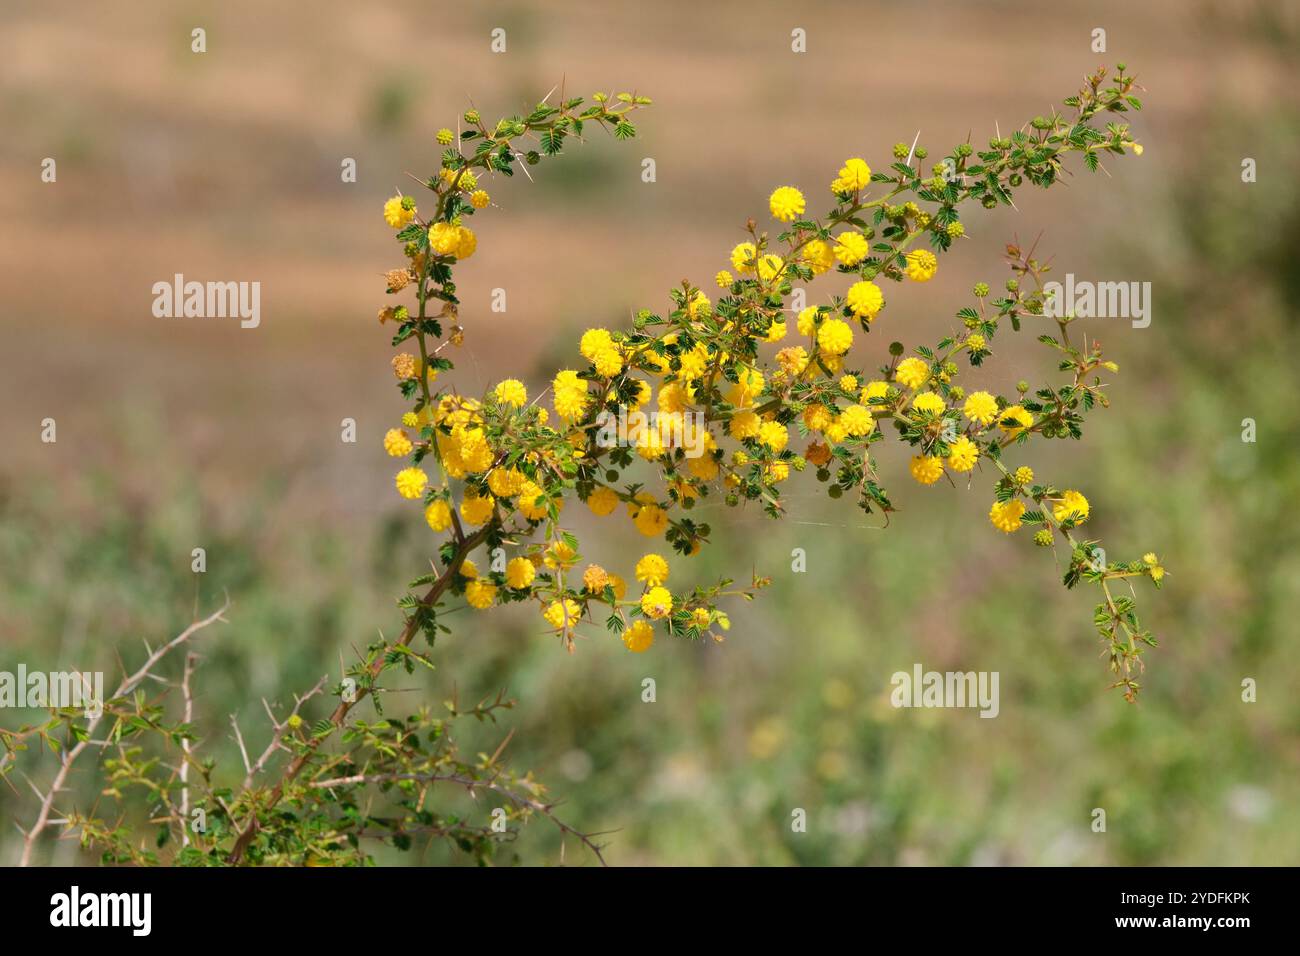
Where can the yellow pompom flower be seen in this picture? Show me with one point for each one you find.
(619, 586)
(1019, 417)
(480, 593)
(570, 395)
(650, 520)
(1071, 505)
(466, 243)
(774, 435)
(438, 515)
(819, 256)
(817, 417)
(775, 332)
(857, 420)
(559, 555)
(562, 615)
(865, 299)
(593, 342)
(851, 248)
(793, 360)
(652, 570)
(473, 450)
(673, 397)
(511, 392)
(929, 403)
(657, 603)
(749, 383)
(448, 240)
(479, 199)
(806, 320)
(786, 203)
(769, 266)
(975, 342)
(520, 573)
(848, 383)
(912, 372)
(723, 279)
(443, 239)
(405, 366)
(468, 569)
(506, 482)
(981, 408)
(872, 390)
(1024, 474)
(532, 501)
(595, 578)
(962, 454)
(694, 362)
(835, 336)
(396, 443)
(922, 264)
(927, 469)
(639, 637)
(398, 211)
(743, 256)
(602, 501)
(743, 424)
(476, 510)
(608, 362)
(411, 482)
(705, 467)
(1005, 515)
(855, 174)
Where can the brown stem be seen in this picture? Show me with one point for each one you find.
(295, 767)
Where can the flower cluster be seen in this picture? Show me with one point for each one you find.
(779, 391)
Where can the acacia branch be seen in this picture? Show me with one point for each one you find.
(127, 686)
(471, 784)
(295, 767)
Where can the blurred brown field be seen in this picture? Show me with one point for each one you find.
(225, 165)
